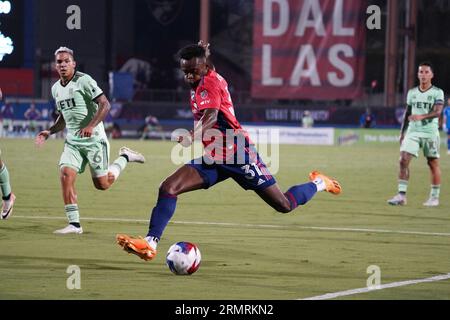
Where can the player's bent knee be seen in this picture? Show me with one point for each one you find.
(168, 188)
(101, 187)
(101, 184)
(286, 207)
(283, 207)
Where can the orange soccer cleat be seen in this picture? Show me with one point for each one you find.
(137, 246)
(331, 185)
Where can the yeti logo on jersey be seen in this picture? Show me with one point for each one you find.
(66, 104)
(192, 95)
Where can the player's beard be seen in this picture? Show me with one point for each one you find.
(194, 85)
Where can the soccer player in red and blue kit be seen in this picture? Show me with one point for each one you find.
(234, 158)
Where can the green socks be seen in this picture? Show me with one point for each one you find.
(4, 181)
(117, 166)
(402, 186)
(72, 213)
(435, 191)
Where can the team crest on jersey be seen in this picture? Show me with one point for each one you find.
(430, 98)
(204, 94)
(71, 91)
(165, 11)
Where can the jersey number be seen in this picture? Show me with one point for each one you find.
(249, 173)
(97, 158)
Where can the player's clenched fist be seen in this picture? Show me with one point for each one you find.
(185, 140)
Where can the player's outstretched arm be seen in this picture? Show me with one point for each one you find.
(207, 121)
(42, 136)
(205, 46)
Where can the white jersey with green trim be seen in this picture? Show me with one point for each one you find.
(75, 101)
(422, 102)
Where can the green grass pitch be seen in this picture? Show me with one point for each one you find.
(249, 251)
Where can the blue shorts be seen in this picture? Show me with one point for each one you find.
(250, 176)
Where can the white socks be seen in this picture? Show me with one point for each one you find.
(117, 166)
(115, 170)
(152, 241)
(320, 184)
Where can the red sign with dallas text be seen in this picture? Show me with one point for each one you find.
(17, 82)
(308, 49)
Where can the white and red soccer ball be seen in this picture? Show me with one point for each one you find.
(183, 258)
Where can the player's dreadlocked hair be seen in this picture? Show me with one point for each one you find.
(191, 51)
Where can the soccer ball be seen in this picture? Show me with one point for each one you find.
(183, 258)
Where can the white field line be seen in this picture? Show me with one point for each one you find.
(266, 226)
(381, 287)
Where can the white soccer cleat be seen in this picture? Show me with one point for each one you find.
(7, 207)
(431, 202)
(133, 156)
(398, 200)
(69, 229)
